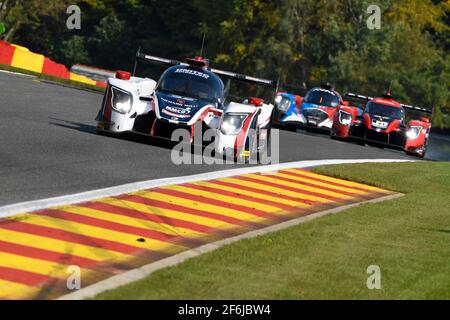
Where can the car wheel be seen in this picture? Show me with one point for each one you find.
(417, 154)
(333, 135)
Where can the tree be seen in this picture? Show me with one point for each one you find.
(31, 15)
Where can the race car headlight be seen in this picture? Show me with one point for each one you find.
(282, 103)
(345, 118)
(232, 123)
(278, 99)
(121, 100)
(413, 132)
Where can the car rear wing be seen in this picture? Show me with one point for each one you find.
(405, 106)
(226, 74)
(419, 109)
(358, 96)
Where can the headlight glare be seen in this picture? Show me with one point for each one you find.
(345, 118)
(232, 123)
(413, 132)
(121, 100)
(282, 103)
(278, 99)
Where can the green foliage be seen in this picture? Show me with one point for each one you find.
(300, 42)
(73, 51)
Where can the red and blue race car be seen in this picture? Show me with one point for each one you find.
(315, 110)
(384, 121)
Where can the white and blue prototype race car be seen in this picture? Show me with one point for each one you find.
(188, 96)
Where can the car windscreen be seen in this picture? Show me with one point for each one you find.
(385, 111)
(192, 86)
(322, 98)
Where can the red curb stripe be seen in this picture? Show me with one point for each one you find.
(265, 192)
(108, 225)
(301, 183)
(6, 53)
(177, 239)
(179, 208)
(238, 196)
(133, 213)
(220, 203)
(300, 175)
(69, 237)
(21, 276)
(42, 254)
(297, 190)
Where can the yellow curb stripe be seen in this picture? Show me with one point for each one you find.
(27, 60)
(133, 222)
(102, 233)
(16, 291)
(253, 194)
(209, 222)
(59, 246)
(42, 267)
(202, 206)
(213, 195)
(346, 182)
(300, 186)
(278, 190)
(322, 184)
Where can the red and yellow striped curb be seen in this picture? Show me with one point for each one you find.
(112, 235)
(22, 58)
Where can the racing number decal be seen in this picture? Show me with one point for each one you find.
(242, 136)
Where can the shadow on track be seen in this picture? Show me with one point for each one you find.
(436, 151)
(128, 136)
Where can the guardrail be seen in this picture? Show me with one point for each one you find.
(93, 72)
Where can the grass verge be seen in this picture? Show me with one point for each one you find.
(327, 258)
(66, 82)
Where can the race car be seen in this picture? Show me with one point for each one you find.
(188, 96)
(383, 121)
(315, 110)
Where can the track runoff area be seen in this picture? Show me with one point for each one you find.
(52, 248)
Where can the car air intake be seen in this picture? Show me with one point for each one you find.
(315, 116)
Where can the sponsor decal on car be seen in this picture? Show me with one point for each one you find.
(380, 124)
(179, 102)
(178, 110)
(177, 115)
(327, 91)
(193, 72)
(385, 101)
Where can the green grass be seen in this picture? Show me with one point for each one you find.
(66, 82)
(327, 258)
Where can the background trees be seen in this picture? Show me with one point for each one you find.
(301, 42)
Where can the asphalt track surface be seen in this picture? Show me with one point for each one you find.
(49, 146)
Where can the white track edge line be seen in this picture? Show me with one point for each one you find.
(144, 271)
(13, 209)
(18, 73)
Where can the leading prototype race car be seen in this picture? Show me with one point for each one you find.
(187, 96)
(383, 121)
(315, 110)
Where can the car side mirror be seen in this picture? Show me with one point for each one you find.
(345, 103)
